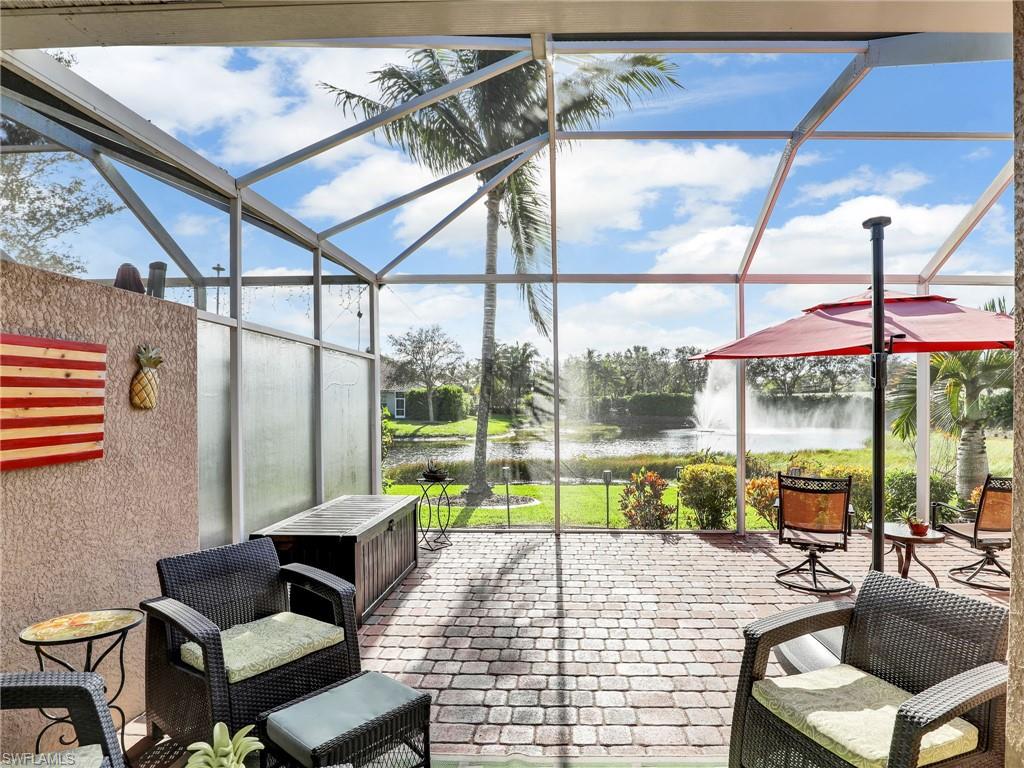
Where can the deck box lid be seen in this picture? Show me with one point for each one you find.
(349, 515)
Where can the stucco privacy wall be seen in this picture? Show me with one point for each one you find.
(88, 534)
(1015, 715)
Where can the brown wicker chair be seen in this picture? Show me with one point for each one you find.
(216, 589)
(989, 532)
(946, 650)
(814, 516)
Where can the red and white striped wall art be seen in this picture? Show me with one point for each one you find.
(51, 401)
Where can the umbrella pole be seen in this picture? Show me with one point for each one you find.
(877, 226)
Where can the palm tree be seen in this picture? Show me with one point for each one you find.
(491, 117)
(958, 382)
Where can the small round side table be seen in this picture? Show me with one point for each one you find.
(84, 627)
(434, 503)
(904, 541)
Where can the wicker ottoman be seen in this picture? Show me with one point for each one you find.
(365, 719)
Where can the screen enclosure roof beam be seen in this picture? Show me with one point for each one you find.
(387, 116)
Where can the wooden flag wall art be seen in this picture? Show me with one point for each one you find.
(51, 401)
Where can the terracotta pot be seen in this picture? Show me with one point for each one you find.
(919, 529)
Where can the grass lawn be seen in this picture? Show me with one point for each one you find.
(582, 505)
(496, 425)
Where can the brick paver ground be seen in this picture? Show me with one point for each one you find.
(593, 643)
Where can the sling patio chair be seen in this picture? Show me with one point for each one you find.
(81, 695)
(989, 532)
(814, 516)
(921, 681)
(223, 645)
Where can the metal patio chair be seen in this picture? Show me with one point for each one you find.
(989, 532)
(814, 516)
(922, 680)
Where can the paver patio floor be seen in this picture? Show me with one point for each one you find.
(592, 643)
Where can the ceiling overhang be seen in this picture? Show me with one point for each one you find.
(46, 24)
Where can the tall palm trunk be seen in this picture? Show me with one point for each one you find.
(971, 458)
(478, 485)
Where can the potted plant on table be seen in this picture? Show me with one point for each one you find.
(434, 472)
(917, 526)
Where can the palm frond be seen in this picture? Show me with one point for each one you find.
(598, 86)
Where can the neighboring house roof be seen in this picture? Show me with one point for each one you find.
(389, 378)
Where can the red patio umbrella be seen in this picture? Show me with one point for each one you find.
(906, 323)
(929, 323)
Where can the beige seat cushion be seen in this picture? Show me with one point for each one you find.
(852, 714)
(89, 756)
(253, 648)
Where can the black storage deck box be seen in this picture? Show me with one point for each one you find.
(369, 541)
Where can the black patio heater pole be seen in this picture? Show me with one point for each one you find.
(877, 226)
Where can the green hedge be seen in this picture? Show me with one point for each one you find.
(451, 403)
(649, 407)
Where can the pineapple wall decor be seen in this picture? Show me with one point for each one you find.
(146, 381)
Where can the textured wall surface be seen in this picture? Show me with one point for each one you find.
(88, 535)
(1015, 724)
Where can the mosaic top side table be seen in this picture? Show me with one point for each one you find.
(86, 627)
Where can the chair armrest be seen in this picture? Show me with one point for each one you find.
(763, 635)
(939, 704)
(80, 693)
(937, 505)
(338, 592)
(196, 627)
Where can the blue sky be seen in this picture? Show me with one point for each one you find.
(623, 207)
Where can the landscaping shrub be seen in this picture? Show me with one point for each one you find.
(998, 409)
(641, 504)
(758, 466)
(900, 494)
(710, 491)
(761, 495)
(649, 407)
(860, 489)
(451, 403)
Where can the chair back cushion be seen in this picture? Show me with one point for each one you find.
(914, 636)
(995, 510)
(816, 504)
(229, 585)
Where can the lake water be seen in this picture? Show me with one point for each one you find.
(666, 441)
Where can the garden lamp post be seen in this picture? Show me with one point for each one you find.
(679, 477)
(506, 474)
(606, 475)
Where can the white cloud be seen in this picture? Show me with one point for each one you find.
(608, 185)
(653, 315)
(833, 241)
(197, 225)
(252, 110)
(979, 153)
(894, 182)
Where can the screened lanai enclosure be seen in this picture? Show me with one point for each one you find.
(516, 245)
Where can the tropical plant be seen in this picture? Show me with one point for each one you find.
(761, 495)
(492, 117)
(641, 501)
(225, 752)
(959, 383)
(710, 491)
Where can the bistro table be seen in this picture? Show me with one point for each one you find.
(84, 627)
(905, 542)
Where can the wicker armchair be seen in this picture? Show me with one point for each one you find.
(80, 693)
(191, 682)
(989, 533)
(946, 651)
